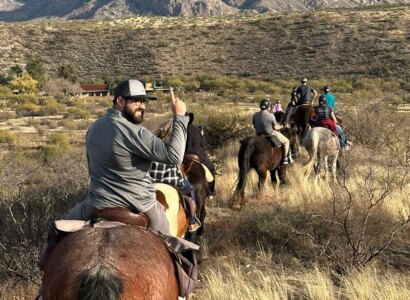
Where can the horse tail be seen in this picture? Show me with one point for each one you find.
(311, 142)
(100, 282)
(245, 152)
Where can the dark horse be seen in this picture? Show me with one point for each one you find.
(279, 116)
(302, 119)
(125, 262)
(195, 173)
(257, 153)
(193, 169)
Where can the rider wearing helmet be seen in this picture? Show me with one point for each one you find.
(265, 125)
(326, 118)
(304, 93)
(330, 99)
(304, 97)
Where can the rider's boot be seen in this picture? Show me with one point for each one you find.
(190, 205)
(290, 157)
(285, 159)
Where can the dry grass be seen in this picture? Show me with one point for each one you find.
(238, 269)
(251, 254)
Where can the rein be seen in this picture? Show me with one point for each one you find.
(189, 167)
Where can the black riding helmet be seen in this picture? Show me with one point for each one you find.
(264, 104)
(322, 100)
(326, 89)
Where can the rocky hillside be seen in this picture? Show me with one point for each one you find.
(338, 43)
(24, 10)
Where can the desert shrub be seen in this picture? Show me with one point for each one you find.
(22, 99)
(184, 83)
(6, 115)
(51, 124)
(79, 113)
(221, 125)
(5, 90)
(51, 107)
(7, 138)
(340, 86)
(347, 227)
(57, 145)
(32, 195)
(83, 125)
(28, 109)
(69, 124)
(375, 126)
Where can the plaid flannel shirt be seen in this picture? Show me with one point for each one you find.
(169, 174)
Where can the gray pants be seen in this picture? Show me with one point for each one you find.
(156, 215)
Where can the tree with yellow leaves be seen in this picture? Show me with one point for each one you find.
(24, 83)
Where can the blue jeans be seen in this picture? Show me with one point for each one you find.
(342, 136)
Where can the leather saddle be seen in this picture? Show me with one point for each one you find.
(105, 218)
(272, 139)
(193, 157)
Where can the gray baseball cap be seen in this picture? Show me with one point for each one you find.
(132, 89)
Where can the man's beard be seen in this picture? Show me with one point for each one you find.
(130, 115)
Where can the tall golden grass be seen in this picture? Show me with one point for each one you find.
(292, 241)
(238, 269)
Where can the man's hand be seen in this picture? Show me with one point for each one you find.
(178, 106)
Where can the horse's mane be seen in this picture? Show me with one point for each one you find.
(164, 130)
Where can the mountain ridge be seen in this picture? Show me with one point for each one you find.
(26, 10)
(339, 43)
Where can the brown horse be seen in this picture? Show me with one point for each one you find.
(302, 119)
(279, 116)
(193, 169)
(125, 262)
(195, 173)
(257, 153)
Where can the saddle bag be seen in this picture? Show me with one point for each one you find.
(185, 262)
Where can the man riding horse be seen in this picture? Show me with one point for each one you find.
(265, 125)
(325, 117)
(304, 97)
(120, 152)
(196, 145)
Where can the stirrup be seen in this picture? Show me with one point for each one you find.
(195, 226)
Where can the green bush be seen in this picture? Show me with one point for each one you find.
(79, 113)
(57, 145)
(5, 90)
(28, 109)
(221, 124)
(51, 107)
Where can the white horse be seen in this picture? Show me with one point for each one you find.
(323, 145)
